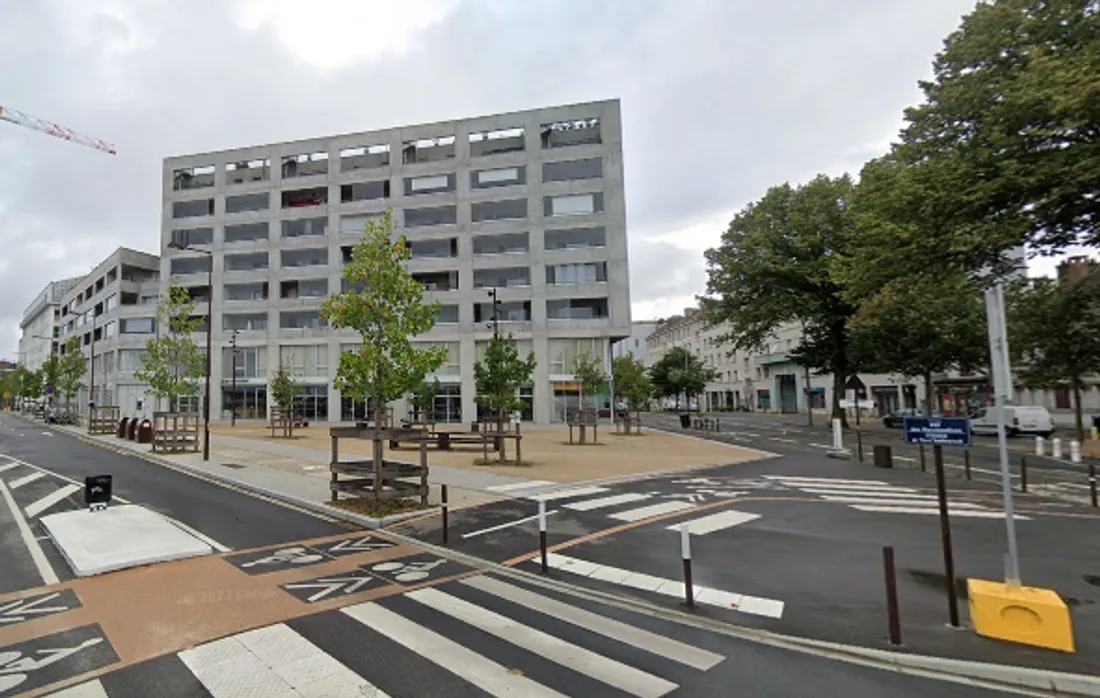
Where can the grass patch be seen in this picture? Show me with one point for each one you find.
(388, 507)
(509, 461)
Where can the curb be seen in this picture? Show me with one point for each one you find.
(994, 676)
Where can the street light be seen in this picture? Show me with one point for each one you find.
(209, 334)
(233, 388)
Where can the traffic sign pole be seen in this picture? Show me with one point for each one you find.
(1002, 388)
(945, 533)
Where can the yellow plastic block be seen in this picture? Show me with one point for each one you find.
(1021, 614)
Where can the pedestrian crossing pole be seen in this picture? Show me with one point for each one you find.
(685, 553)
(542, 536)
(443, 505)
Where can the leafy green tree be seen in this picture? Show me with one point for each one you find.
(386, 306)
(32, 384)
(71, 371)
(776, 265)
(284, 389)
(499, 376)
(632, 382)
(9, 385)
(917, 327)
(1007, 131)
(679, 372)
(173, 364)
(423, 398)
(50, 374)
(1054, 336)
(588, 371)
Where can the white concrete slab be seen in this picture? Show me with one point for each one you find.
(119, 538)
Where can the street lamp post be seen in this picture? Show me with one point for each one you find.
(233, 389)
(209, 336)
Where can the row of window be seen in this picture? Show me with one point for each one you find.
(512, 140)
(482, 211)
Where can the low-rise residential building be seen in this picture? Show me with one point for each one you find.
(635, 345)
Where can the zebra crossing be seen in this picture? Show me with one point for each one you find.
(876, 496)
(480, 633)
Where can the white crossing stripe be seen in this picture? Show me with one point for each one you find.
(743, 603)
(903, 494)
(501, 527)
(593, 622)
(589, 504)
(26, 480)
(9, 466)
(966, 513)
(793, 479)
(525, 485)
(484, 673)
(272, 661)
(862, 488)
(579, 659)
(49, 500)
(89, 689)
(652, 510)
(715, 522)
(563, 494)
(901, 502)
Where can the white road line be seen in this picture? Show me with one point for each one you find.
(779, 438)
(742, 603)
(26, 480)
(715, 522)
(652, 510)
(857, 492)
(529, 484)
(593, 622)
(502, 526)
(821, 445)
(482, 672)
(589, 504)
(747, 433)
(563, 494)
(90, 689)
(33, 547)
(925, 502)
(201, 536)
(584, 661)
(934, 511)
(9, 466)
(865, 488)
(271, 661)
(793, 478)
(49, 500)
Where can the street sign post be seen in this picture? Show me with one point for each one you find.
(936, 431)
(97, 492)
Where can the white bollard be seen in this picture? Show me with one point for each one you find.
(838, 437)
(1039, 443)
(1056, 448)
(1075, 451)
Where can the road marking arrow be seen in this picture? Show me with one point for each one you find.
(329, 585)
(17, 611)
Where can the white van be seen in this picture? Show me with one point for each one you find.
(1019, 419)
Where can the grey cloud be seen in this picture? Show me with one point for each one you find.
(720, 101)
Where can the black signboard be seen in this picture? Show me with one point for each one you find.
(97, 491)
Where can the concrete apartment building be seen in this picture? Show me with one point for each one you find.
(113, 311)
(530, 203)
(635, 345)
(40, 325)
(767, 379)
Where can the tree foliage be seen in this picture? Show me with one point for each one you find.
(51, 369)
(1054, 336)
(173, 364)
(632, 382)
(31, 384)
(589, 372)
(71, 370)
(284, 387)
(679, 372)
(386, 307)
(1006, 136)
(776, 264)
(423, 398)
(500, 374)
(917, 327)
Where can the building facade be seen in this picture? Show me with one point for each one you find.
(529, 203)
(113, 311)
(40, 325)
(635, 345)
(767, 379)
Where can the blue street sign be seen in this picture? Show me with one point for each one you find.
(937, 431)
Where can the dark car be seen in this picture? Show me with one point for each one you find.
(894, 419)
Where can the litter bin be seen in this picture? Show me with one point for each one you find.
(145, 432)
(122, 423)
(685, 421)
(131, 429)
(884, 457)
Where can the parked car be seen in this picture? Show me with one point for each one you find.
(894, 419)
(1018, 419)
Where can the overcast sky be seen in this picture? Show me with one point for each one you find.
(720, 98)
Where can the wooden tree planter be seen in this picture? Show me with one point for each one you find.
(282, 421)
(175, 432)
(390, 479)
(625, 421)
(584, 418)
(104, 420)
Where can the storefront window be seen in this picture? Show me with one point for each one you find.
(447, 407)
(311, 402)
(249, 402)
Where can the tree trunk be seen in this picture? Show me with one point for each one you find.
(1078, 416)
(838, 391)
(928, 410)
(500, 433)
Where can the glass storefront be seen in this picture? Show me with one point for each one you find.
(447, 406)
(311, 402)
(250, 401)
(352, 410)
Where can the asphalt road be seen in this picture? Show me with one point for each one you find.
(230, 518)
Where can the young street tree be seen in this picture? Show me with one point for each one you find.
(50, 375)
(499, 376)
(173, 364)
(71, 371)
(633, 383)
(30, 384)
(1054, 335)
(423, 398)
(775, 265)
(917, 327)
(679, 372)
(284, 388)
(588, 371)
(386, 306)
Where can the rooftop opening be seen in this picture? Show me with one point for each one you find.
(314, 196)
(507, 140)
(198, 177)
(428, 150)
(248, 171)
(364, 157)
(305, 165)
(559, 134)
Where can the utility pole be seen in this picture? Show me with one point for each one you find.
(809, 407)
(495, 324)
(91, 378)
(233, 389)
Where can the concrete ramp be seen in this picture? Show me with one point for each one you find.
(96, 542)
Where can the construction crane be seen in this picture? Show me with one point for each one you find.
(55, 130)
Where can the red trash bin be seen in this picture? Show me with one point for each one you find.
(122, 424)
(145, 432)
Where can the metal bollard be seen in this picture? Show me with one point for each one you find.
(685, 553)
(1075, 452)
(1039, 446)
(923, 466)
(891, 595)
(966, 462)
(859, 444)
(443, 505)
(542, 536)
(1023, 473)
(838, 437)
(1056, 448)
(1092, 483)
